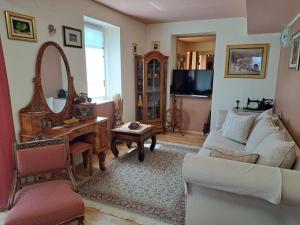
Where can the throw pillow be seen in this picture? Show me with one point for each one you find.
(275, 151)
(235, 155)
(237, 127)
(264, 127)
(265, 113)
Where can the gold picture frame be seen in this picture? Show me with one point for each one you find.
(246, 61)
(20, 27)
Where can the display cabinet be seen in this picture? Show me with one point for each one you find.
(151, 73)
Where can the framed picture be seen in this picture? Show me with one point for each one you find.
(155, 45)
(20, 27)
(246, 61)
(72, 37)
(134, 48)
(294, 54)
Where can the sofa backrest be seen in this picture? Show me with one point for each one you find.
(288, 137)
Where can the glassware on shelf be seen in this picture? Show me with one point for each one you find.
(140, 101)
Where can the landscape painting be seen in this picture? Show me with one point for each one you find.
(246, 61)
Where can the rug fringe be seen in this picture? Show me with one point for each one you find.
(123, 214)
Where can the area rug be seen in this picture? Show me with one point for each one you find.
(152, 188)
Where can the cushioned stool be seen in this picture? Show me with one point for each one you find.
(86, 150)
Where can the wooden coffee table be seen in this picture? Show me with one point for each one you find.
(139, 136)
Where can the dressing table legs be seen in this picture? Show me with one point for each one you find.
(101, 157)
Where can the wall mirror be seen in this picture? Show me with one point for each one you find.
(54, 78)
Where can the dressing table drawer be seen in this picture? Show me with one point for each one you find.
(82, 131)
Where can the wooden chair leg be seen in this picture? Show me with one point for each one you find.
(73, 164)
(81, 221)
(85, 158)
(90, 161)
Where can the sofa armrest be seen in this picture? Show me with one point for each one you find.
(290, 186)
(253, 180)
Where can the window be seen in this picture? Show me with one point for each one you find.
(103, 59)
(95, 61)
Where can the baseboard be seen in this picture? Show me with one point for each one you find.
(3, 209)
(192, 132)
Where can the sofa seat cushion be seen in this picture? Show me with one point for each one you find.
(263, 128)
(245, 157)
(216, 141)
(237, 127)
(47, 203)
(275, 151)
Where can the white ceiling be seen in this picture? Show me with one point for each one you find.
(158, 11)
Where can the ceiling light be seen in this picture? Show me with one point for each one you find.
(155, 5)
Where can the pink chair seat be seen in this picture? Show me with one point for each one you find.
(78, 147)
(47, 203)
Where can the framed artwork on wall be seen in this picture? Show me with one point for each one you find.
(246, 61)
(294, 54)
(134, 48)
(155, 45)
(20, 27)
(72, 37)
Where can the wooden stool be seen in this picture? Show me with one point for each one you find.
(86, 150)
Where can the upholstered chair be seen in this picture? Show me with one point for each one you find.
(41, 195)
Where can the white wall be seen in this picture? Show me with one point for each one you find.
(228, 31)
(20, 56)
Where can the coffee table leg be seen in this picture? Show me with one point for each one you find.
(114, 148)
(128, 143)
(152, 146)
(101, 158)
(141, 151)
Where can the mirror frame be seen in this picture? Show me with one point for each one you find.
(38, 102)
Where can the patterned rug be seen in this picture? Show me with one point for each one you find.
(153, 188)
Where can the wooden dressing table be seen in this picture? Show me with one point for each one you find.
(39, 119)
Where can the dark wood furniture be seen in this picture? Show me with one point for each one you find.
(150, 76)
(38, 119)
(137, 136)
(85, 149)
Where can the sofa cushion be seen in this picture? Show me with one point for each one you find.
(237, 127)
(48, 203)
(216, 141)
(275, 151)
(235, 155)
(264, 127)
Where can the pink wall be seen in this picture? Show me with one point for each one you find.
(7, 135)
(287, 104)
(195, 112)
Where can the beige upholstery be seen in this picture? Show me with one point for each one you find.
(248, 197)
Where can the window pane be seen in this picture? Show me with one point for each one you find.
(95, 72)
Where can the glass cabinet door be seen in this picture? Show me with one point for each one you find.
(153, 76)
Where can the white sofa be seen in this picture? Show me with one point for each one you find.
(225, 192)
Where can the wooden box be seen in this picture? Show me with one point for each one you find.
(84, 111)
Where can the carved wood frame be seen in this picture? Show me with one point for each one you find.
(38, 102)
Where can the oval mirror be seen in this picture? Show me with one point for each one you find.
(54, 79)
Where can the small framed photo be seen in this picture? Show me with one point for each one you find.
(134, 48)
(20, 27)
(294, 54)
(155, 45)
(246, 61)
(72, 37)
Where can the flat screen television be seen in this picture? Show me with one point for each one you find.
(192, 82)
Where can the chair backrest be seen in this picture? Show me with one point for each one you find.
(37, 157)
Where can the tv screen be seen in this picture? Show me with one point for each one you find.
(192, 82)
